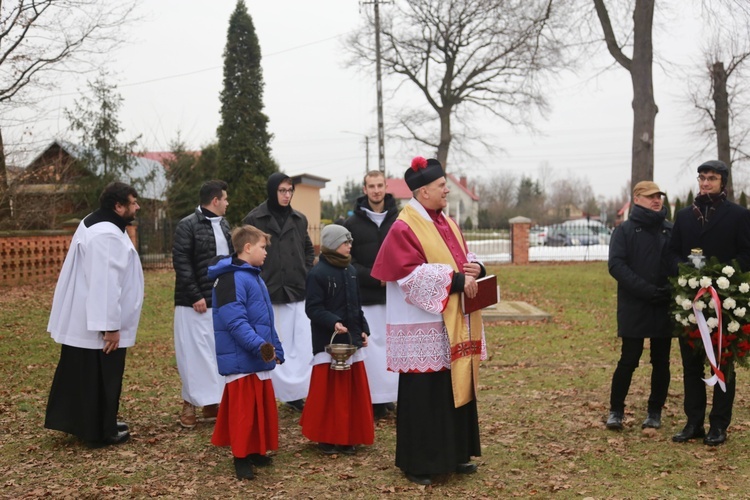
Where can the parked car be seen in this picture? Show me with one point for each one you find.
(578, 233)
(538, 235)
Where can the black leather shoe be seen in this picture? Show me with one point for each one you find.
(297, 404)
(379, 411)
(243, 468)
(421, 479)
(614, 422)
(467, 468)
(390, 407)
(122, 426)
(327, 448)
(260, 460)
(118, 438)
(346, 449)
(689, 432)
(715, 437)
(653, 420)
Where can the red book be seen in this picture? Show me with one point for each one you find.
(487, 295)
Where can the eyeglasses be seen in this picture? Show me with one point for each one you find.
(710, 178)
(286, 191)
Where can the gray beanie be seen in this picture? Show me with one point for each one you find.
(334, 235)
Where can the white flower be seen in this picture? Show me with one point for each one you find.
(691, 318)
(678, 317)
(740, 312)
(687, 305)
(682, 281)
(723, 283)
(729, 303)
(699, 305)
(733, 326)
(728, 270)
(693, 283)
(685, 322)
(712, 323)
(712, 304)
(679, 300)
(705, 282)
(744, 288)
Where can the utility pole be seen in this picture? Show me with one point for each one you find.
(379, 83)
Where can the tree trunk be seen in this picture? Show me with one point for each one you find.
(4, 191)
(644, 107)
(445, 139)
(721, 120)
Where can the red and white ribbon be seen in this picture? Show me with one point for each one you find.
(718, 376)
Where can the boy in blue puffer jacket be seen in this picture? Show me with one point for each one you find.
(247, 349)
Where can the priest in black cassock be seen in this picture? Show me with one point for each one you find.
(95, 314)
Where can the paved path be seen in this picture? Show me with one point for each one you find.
(507, 310)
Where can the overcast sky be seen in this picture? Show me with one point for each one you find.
(170, 76)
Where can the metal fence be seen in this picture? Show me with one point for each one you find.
(579, 241)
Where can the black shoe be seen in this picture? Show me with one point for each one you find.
(421, 479)
(467, 468)
(122, 426)
(653, 420)
(614, 422)
(346, 449)
(243, 467)
(390, 407)
(327, 448)
(260, 460)
(379, 411)
(297, 404)
(118, 438)
(689, 432)
(715, 437)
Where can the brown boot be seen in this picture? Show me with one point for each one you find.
(210, 412)
(187, 417)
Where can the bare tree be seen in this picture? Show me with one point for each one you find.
(639, 65)
(476, 54)
(720, 96)
(40, 38)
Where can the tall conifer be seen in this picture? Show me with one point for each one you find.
(245, 153)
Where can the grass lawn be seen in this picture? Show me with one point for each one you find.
(544, 395)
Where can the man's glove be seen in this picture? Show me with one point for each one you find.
(662, 295)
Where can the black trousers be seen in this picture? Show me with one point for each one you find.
(432, 435)
(630, 356)
(85, 394)
(694, 368)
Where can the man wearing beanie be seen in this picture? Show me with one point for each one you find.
(433, 346)
(374, 214)
(289, 259)
(636, 262)
(720, 229)
(338, 411)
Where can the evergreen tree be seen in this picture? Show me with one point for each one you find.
(244, 142)
(743, 200)
(186, 173)
(690, 198)
(94, 118)
(669, 206)
(677, 205)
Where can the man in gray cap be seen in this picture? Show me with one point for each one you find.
(636, 262)
(720, 229)
(433, 346)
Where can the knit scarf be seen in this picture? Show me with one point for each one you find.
(335, 258)
(705, 205)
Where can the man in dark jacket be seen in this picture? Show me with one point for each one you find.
(199, 238)
(373, 217)
(720, 229)
(637, 261)
(290, 257)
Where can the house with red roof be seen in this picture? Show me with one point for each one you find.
(463, 203)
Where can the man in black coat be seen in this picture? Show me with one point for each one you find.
(636, 261)
(722, 230)
(290, 258)
(373, 217)
(199, 238)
